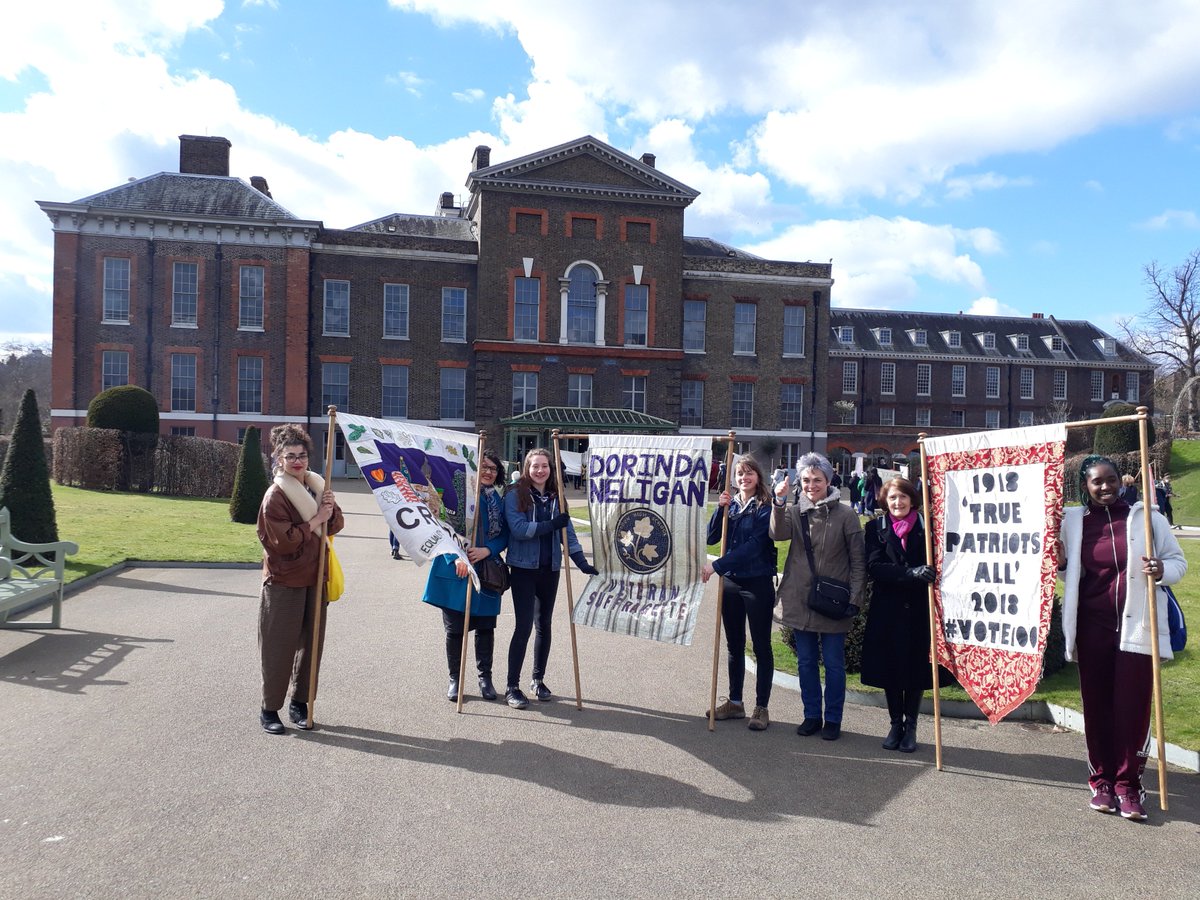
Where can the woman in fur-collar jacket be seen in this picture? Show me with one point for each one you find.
(837, 543)
(290, 521)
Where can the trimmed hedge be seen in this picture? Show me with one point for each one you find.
(88, 457)
(1120, 437)
(251, 482)
(25, 478)
(124, 408)
(1127, 463)
(194, 466)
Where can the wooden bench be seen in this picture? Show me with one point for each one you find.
(30, 575)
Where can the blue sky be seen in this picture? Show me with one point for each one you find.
(998, 158)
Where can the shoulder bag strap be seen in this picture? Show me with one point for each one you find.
(807, 542)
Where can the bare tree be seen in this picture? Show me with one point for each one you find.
(1168, 332)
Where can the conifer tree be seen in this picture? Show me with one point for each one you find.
(25, 479)
(250, 483)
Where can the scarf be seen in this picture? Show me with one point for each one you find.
(495, 513)
(902, 527)
(298, 494)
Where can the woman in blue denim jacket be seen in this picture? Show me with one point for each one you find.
(532, 511)
(748, 572)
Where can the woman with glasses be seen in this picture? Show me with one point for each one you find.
(290, 520)
(447, 584)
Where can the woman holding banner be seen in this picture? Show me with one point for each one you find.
(294, 510)
(835, 535)
(1106, 624)
(895, 654)
(447, 584)
(535, 521)
(747, 570)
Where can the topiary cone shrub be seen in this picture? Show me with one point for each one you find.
(250, 483)
(25, 479)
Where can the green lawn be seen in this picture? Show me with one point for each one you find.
(1185, 482)
(112, 527)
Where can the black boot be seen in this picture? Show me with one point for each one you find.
(485, 642)
(454, 662)
(908, 743)
(892, 741)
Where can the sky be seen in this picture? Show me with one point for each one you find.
(947, 155)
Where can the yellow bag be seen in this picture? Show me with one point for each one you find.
(335, 579)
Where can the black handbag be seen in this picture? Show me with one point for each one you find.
(493, 574)
(829, 596)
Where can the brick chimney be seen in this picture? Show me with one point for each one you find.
(482, 158)
(648, 159)
(200, 155)
(260, 184)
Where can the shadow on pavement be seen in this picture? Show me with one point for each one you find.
(71, 661)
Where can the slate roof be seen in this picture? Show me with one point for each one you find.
(216, 196)
(570, 416)
(1080, 340)
(704, 246)
(408, 225)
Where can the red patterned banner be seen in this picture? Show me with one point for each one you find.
(997, 502)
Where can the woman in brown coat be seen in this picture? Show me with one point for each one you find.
(837, 543)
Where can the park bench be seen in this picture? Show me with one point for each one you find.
(30, 575)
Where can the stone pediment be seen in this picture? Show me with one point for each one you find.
(583, 167)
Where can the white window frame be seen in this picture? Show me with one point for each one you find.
(954, 339)
(849, 377)
(251, 370)
(396, 311)
(991, 383)
(924, 379)
(845, 334)
(114, 369)
(332, 295)
(988, 340)
(958, 380)
(691, 384)
(1025, 418)
(1060, 384)
(745, 319)
(887, 415)
(689, 324)
(643, 313)
(179, 382)
(923, 416)
(250, 294)
(920, 337)
(445, 391)
(185, 295)
(1133, 387)
(885, 337)
(118, 291)
(791, 411)
(991, 418)
(633, 393)
(328, 384)
(384, 388)
(737, 398)
(1097, 386)
(522, 309)
(1026, 388)
(887, 378)
(579, 386)
(958, 418)
(1022, 343)
(454, 321)
(796, 331)
(523, 385)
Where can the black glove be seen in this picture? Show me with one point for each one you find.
(553, 524)
(582, 564)
(921, 573)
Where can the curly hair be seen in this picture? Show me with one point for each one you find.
(288, 435)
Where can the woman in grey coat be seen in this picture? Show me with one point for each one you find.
(838, 552)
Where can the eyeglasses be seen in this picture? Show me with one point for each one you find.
(294, 457)
(488, 469)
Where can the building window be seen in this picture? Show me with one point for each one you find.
(887, 378)
(921, 337)
(1026, 384)
(849, 378)
(251, 280)
(741, 414)
(691, 405)
(791, 406)
(250, 384)
(183, 382)
(694, 312)
(793, 330)
(789, 454)
(887, 415)
(958, 418)
(579, 391)
(924, 379)
(116, 290)
(1056, 343)
(847, 413)
(958, 381)
(633, 394)
(923, 417)
(184, 431)
(454, 314)
(845, 334)
(954, 339)
(1023, 343)
(185, 294)
(1132, 392)
(527, 308)
(991, 418)
(453, 402)
(1097, 386)
(395, 311)
(989, 340)
(885, 337)
(1060, 384)
(241, 435)
(335, 385)
(992, 382)
(637, 307)
(394, 400)
(524, 394)
(1025, 418)
(337, 308)
(745, 316)
(114, 369)
(581, 306)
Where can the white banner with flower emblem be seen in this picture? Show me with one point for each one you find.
(647, 500)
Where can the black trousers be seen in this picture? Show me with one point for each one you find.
(904, 704)
(749, 600)
(533, 595)
(485, 641)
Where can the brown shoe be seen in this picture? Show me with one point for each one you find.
(727, 709)
(760, 720)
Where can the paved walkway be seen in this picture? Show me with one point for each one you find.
(132, 765)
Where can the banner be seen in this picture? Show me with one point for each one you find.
(646, 496)
(997, 503)
(423, 480)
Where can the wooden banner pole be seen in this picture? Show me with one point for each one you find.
(1152, 599)
(462, 658)
(712, 693)
(315, 659)
(933, 629)
(566, 567)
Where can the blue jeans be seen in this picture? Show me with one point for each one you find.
(833, 653)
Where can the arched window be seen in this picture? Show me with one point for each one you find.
(581, 305)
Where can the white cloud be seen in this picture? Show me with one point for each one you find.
(1094, 186)
(1171, 218)
(410, 81)
(990, 306)
(470, 95)
(962, 187)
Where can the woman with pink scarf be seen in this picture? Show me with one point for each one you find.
(896, 643)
